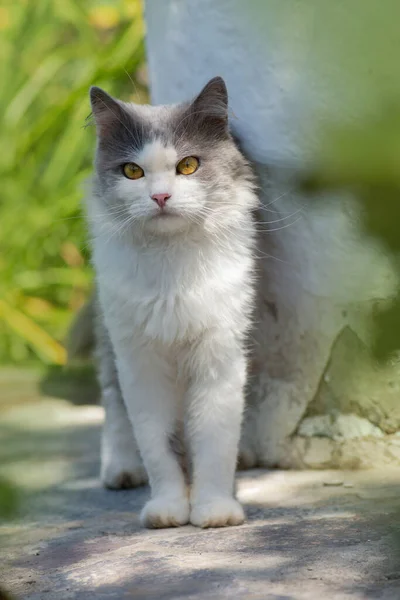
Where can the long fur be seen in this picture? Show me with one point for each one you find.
(175, 300)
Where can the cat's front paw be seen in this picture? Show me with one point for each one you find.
(217, 512)
(163, 511)
(122, 475)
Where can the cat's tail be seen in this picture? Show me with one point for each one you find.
(81, 336)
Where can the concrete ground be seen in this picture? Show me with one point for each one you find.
(309, 535)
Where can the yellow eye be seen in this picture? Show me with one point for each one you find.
(132, 171)
(187, 165)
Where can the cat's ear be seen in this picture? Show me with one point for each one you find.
(212, 103)
(107, 111)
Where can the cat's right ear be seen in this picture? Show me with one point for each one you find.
(107, 111)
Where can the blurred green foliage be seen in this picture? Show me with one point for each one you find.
(354, 51)
(364, 158)
(341, 68)
(51, 52)
(8, 499)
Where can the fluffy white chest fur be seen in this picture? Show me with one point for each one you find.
(172, 292)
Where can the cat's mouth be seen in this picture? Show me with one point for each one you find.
(164, 214)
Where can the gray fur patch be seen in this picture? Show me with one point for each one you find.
(121, 130)
(205, 119)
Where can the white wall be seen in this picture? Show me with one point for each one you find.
(321, 275)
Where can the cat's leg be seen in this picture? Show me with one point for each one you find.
(121, 465)
(149, 388)
(215, 399)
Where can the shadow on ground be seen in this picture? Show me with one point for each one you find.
(77, 384)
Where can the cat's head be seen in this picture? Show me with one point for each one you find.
(165, 169)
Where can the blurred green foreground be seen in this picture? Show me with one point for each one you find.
(51, 52)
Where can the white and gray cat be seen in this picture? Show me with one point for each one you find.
(171, 221)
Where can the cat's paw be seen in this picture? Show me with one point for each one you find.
(122, 475)
(163, 511)
(217, 512)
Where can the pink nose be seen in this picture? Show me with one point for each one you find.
(161, 199)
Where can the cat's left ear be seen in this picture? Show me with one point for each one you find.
(107, 112)
(212, 103)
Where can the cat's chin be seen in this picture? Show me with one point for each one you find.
(165, 223)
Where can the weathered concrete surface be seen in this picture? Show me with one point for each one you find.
(303, 539)
(353, 383)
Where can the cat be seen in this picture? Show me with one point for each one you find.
(170, 217)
